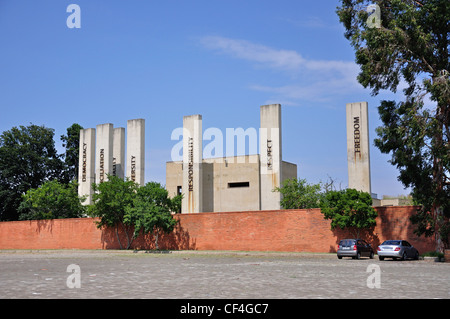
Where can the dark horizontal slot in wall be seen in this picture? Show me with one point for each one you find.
(238, 184)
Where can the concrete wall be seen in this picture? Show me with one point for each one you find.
(281, 230)
(219, 177)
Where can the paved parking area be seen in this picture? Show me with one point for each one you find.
(209, 275)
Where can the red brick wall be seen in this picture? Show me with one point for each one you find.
(283, 230)
(50, 234)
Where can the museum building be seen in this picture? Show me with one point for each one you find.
(237, 183)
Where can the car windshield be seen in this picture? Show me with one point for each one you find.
(391, 242)
(347, 242)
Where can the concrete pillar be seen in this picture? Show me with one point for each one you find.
(270, 156)
(104, 152)
(358, 156)
(192, 165)
(86, 164)
(119, 152)
(136, 151)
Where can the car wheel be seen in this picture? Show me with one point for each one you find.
(404, 256)
(380, 258)
(416, 256)
(339, 257)
(358, 255)
(371, 255)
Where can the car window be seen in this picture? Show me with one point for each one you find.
(347, 242)
(391, 242)
(405, 243)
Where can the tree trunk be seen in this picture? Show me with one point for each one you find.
(118, 238)
(438, 179)
(156, 241)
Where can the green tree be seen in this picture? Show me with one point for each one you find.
(28, 158)
(52, 200)
(71, 142)
(298, 194)
(151, 212)
(411, 46)
(111, 199)
(349, 209)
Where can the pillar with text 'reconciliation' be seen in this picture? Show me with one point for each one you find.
(104, 152)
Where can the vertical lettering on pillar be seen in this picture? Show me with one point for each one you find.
(357, 136)
(84, 165)
(191, 174)
(102, 165)
(133, 168)
(191, 164)
(269, 155)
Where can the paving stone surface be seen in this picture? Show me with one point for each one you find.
(211, 275)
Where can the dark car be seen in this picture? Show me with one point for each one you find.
(355, 248)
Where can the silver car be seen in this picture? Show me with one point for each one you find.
(397, 249)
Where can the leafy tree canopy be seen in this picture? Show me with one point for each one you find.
(299, 194)
(28, 158)
(151, 211)
(123, 205)
(349, 209)
(52, 200)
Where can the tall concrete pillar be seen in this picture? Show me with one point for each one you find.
(358, 156)
(136, 151)
(86, 164)
(104, 152)
(270, 156)
(119, 152)
(192, 165)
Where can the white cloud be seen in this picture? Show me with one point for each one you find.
(320, 79)
(280, 59)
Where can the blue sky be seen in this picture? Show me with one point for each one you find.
(161, 60)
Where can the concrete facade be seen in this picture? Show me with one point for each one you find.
(192, 185)
(229, 183)
(119, 152)
(86, 171)
(104, 152)
(358, 153)
(135, 158)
